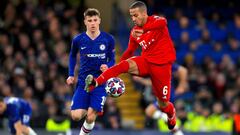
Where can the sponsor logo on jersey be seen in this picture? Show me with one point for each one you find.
(83, 48)
(101, 55)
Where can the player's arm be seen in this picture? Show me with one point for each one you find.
(14, 117)
(73, 57)
(147, 38)
(110, 55)
(132, 46)
(72, 61)
(143, 81)
(183, 80)
(18, 127)
(111, 52)
(157, 23)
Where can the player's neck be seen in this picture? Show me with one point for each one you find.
(145, 20)
(93, 35)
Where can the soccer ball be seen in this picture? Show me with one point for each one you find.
(115, 87)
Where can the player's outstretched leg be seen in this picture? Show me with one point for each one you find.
(91, 83)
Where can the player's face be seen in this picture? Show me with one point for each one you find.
(138, 16)
(92, 23)
(2, 107)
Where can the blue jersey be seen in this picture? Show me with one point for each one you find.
(17, 110)
(93, 53)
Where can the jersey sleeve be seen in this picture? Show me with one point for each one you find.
(132, 46)
(111, 52)
(155, 23)
(73, 57)
(14, 113)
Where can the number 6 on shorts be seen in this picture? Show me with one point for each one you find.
(165, 92)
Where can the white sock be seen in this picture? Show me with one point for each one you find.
(177, 131)
(31, 131)
(160, 115)
(86, 128)
(157, 115)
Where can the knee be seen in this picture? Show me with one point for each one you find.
(133, 68)
(131, 63)
(148, 112)
(76, 116)
(25, 130)
(91, 117)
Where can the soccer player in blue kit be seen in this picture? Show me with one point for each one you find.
(153, 110)
(97, 54)
(18, 112)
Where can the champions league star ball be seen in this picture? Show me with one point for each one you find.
(115, 87)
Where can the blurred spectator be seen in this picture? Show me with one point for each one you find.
(56, 123)
(181, 109)
(204, 96)
(6, 90)
(112, 116)
(219, 85)
(228, 98)
(219, 116)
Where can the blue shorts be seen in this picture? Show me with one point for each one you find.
(25, 119)
(94, 99)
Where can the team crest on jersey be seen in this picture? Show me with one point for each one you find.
(102, 47)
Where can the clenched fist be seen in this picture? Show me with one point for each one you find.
(103, 67)
(70, 80)
(137, 33)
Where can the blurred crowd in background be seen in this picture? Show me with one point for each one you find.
(35, 38)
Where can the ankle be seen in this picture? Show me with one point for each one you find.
(172, 117)
(94, 82)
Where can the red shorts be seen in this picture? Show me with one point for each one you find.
(160, 76)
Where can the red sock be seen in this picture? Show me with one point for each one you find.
(114, 71)
(169, 110)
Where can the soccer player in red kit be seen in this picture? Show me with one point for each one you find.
(157, 57)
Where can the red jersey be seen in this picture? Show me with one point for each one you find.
(157, 46)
